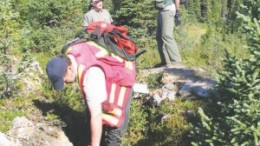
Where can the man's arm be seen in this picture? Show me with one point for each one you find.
(85, 21)
(95, 90)
(95, 123)
(177, 4)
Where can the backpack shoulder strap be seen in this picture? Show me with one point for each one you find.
(71, 43)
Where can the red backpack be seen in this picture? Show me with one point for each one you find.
(114, 38)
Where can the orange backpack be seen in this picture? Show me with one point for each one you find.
(114, 38)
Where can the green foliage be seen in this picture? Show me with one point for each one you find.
(9, 65)
(48, 25)
(8, 21)
(10, 108)
(194, 9)
(137, 125)
(220, 12)
(209, 50)
(188, 37)
(42, 28)
(137, 14)
(50, 13)
(12, 72)
(69, 96)
(233, 116)
(233, 23)
(214, 11)
(68, 107)
(164, 125)
(148, 59)
(168, 124)
(206, 10)
(7, 117)
(153, 81)
(50, 40)
(140, 17)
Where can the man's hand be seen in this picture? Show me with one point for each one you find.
(177, 18)
(95, 123)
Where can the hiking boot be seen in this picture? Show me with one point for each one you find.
(174, 65)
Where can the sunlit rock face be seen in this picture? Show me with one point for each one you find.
(180, 82)
(24, 132)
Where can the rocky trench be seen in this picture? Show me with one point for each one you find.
(176, 82)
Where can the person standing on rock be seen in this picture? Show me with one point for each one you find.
(96, 13)
(168, 13)
(106, 82)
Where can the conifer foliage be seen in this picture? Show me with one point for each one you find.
(140, 15)
(8, 21)
(232, 118)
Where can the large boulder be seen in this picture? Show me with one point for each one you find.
(24, 132)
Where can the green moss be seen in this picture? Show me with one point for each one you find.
(7, 117)
(11, 108)
(148, 127)
(154, 80)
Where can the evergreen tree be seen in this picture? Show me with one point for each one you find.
(137, 14)
(214, 14)
(51, 23)
(10, 34)
(194, 9)
(232, 7)
(232, 118)
(140, 17)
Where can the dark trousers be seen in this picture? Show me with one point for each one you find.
(112, 136)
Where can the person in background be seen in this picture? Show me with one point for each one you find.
(97, 13)
(106, 83)
(168, 16)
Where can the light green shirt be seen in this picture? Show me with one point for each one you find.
(93, 15)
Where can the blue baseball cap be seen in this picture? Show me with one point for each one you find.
(55, 70)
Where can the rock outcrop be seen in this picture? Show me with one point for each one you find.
(180, 81)
(24, 133)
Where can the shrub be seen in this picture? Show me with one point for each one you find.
(10, 66)
(232, 117)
